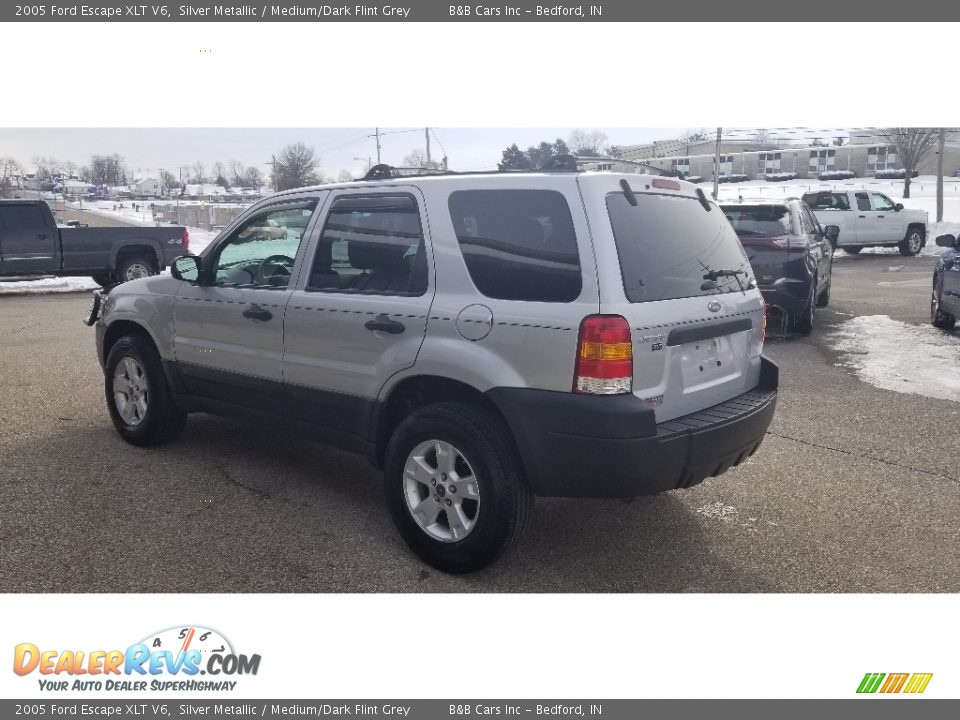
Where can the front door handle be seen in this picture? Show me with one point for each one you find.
(381, 323)
(879, 217)
(861, 216)
(255, 312)
(41, 237)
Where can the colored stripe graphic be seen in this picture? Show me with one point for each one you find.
(870, 682)
(894, 683)
(918, 683)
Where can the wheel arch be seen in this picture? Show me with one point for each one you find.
(413, 393)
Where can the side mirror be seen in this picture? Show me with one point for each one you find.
(946, 241)
(186, 267)
(898, 207)
(832, 232)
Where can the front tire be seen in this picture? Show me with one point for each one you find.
(455, 486)
(939, 318)
(824, 298)
(912, 243)
(141, 405)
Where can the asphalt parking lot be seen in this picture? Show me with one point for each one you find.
(856, 488)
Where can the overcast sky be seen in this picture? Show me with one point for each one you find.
(148, 150)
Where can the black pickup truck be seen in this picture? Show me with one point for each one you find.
(31, 243)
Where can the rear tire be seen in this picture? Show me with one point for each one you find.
(803, 323)
(437, 450)
(136, 267)
(824, 298)
(912, 243)
(939, 318)
(141, 405)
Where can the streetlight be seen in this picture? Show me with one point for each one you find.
(369, 163)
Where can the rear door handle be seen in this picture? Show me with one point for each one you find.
(381, 323)
(42, 237)
(879, 217)
(861, 216)
(255, 312)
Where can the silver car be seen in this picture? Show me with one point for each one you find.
(482, 338)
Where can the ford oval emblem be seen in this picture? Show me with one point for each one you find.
(714, 306)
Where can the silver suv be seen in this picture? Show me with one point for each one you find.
(482, 338)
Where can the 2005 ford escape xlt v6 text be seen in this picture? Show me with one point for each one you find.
(482, 338)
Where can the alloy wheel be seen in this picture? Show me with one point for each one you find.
(441, 491)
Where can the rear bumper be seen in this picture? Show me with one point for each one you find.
(595, 446)
(789, 297)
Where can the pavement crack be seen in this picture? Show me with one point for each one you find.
(263, 494)
(867, 456)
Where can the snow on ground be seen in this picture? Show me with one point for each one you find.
(46, 285)
(889, 354)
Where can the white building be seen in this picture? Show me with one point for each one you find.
(149, 187)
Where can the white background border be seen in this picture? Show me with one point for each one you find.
(480, 75)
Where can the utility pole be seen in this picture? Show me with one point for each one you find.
(716, 165)
(377, 134)
(426, 132)
(942, 141)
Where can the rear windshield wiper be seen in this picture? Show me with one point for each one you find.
(715, 274)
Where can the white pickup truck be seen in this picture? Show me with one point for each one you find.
(869, 218)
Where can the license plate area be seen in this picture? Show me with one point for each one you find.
(709, 362)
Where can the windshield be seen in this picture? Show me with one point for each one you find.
(759, 220)
(671, 247)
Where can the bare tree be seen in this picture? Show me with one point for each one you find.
(253, 178)
(295, 166)
(199, 173)
(587, 144)
(345, 176)
(762, 136)
(912, 146)
(9, 169)
(168, 181)
(236, 173)
(418, 159)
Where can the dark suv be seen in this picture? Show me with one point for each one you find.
(791, 256)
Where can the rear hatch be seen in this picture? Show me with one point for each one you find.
(769, 235)
(670, 264)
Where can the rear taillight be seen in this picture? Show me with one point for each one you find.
(186, 239)
(604, 356)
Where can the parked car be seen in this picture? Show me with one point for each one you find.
(791, 256)
(545, 333)
(867, 218)
(31, 243)
(945, 301)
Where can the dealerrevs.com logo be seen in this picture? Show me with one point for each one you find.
(172, 659)
(893, 683)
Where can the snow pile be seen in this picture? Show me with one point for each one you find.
(46, 285)
(889, 354)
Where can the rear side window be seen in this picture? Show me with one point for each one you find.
(371, 244)
(18, 218)
(518, 244)
(671, 247)
(827, 201)
(863, 201)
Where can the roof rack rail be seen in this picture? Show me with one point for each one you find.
(387, 172)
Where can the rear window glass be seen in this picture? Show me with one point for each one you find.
(518, 244)
(671, 246)
(760, 220)
(827, 201)
(22, 217)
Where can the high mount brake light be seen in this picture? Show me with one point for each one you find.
(665, 184)
(604, 356)
(186, 239)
